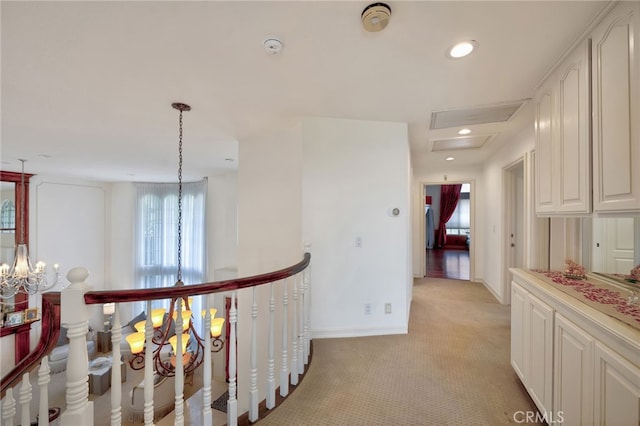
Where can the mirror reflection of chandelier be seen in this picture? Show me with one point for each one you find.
(164, 326)
(22, 276)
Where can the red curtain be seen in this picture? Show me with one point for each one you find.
(449, 195)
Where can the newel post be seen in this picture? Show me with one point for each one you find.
(75, 318)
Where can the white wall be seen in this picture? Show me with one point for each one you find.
(495, 223)
(69, 225)
(354, 173)
(222, 205)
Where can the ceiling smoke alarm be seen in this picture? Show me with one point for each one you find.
(375, 17)
(273, 46)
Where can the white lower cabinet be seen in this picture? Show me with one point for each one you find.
(532, 345)
(573, 373)
(580, 366)
(617, 389)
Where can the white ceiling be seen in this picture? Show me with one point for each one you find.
(87, 86)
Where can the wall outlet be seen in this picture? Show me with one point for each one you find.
(368, 309)
(358, 241)
(387, 308)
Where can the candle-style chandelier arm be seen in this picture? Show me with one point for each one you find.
(162, 358)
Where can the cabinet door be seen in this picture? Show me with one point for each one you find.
(573, 131)
(539, 350)
(616, 110)
(545, 155)
(518, 310)
(616, 388)
(573, 373)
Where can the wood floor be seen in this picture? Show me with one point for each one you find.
(448, 263)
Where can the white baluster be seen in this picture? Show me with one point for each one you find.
(116, 369)
(232, 403)
(43, 381)
(179, 383)
(148, 368)
(284, 370)
(75, 318)
(253, 372)
(8, 408)
(300, 321)
(306, 280)
(207, 415)
(25, 399)
(294, 335)
(271, 380)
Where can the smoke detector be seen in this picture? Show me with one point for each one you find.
(273, 46)
(375, 17)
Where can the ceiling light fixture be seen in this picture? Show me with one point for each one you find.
(450, 158)
(22, 277)
(464, 131)
(375, 17)
(462, 49)
(188, 342)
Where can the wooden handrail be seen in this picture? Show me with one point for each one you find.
(51, 309)
(119, 296)
(48, 340)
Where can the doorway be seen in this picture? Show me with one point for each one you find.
(514, 213)
(448, 253)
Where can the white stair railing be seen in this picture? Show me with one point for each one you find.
(271, 362)
(74, 317)
(116, 370)
(43, 382)
(284, 368)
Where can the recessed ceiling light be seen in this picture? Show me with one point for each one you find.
(44, 155)
(449, 158)
(230, 160)
(462, 49)
(464, 131)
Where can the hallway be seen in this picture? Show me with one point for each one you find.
(453, 367)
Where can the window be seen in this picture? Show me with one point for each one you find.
(460, 221)
(156, 239)
(8, 216)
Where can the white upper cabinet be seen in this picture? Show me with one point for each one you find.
(588, 123)
(545, 158)
(616, 110)
(563, 154)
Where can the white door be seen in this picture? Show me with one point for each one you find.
(620, 245)
(613, 245)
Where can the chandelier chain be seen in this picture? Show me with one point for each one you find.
(22, 203)
(179, 275)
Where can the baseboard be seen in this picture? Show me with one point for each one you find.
(357, 332)
(488, 287)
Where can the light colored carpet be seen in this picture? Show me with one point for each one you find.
(453, 368)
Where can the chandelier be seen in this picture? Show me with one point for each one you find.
(165, 333)
(22, 277)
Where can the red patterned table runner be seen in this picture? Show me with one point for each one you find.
(601, 296)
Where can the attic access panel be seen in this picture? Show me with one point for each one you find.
(468, 116)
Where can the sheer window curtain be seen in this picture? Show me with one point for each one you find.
(156, 239)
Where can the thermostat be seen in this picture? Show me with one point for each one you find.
(394, 211)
